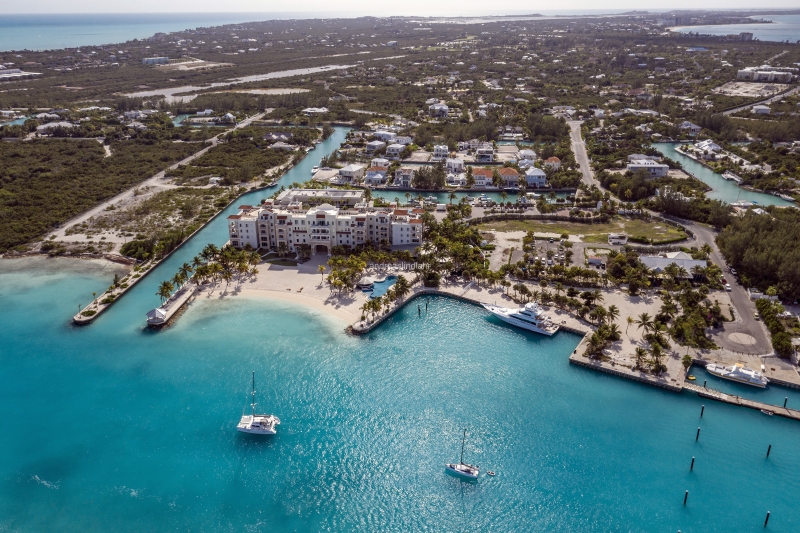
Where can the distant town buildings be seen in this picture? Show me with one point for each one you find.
(767, 73)
(155, 60)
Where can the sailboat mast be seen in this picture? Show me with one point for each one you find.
(462, 446)
(253, 403)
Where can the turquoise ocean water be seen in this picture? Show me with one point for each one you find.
(112, 427)
(782, 28)
(722, 189)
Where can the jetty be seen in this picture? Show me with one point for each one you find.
(159, 316)
(732, 399)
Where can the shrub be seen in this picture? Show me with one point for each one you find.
(88, 313)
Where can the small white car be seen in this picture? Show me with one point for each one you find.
(728, 287)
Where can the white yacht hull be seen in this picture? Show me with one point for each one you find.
(459, 470)
(519, 323)
(258, 425)
(714, 372)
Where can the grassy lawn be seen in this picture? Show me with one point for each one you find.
(594, 233)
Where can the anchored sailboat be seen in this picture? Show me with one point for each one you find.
(461, 468)
(255, 423)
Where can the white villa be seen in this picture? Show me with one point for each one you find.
(386, 136)
(394, 151)
(454, 165)
(657, 263)
(351, 173)
(553, 162)
(403, 177)
(653, 168)
(373, 146)
(376, 176)
(440, 151)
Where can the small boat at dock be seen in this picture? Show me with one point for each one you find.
(739, 373)
(314, 170)
(462, 469)
(768, 413)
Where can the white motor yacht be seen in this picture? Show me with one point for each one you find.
(256, 423)
(462, 469)
(740, 373)
(531, 317)
(314, 170)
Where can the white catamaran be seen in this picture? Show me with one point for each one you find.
(462, 469)
(740, 373)
(530, 317)
(255, 423)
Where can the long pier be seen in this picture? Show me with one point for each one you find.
(732, 399)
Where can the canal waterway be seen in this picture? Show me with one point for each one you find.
(114, 427)
(725, 190)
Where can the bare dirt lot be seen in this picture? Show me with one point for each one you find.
(748, 88)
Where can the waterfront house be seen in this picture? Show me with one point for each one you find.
(454, 165)
(403, 177)
(374, 146)
(379, 162)
(352, 173)
(483, 177)
(509, 176)
(535, 177)
(456, 180)
(527, 154)
(708, 145)
(653, 168)
(376, 176)
(440, 152)
(484, 153)
(386, 136)
(394, 151)
(404, 140)
(553, 163)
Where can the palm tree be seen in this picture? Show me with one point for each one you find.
(165, 291)
(644, 322)
(630, 321)
(452, 197)
(640, 354)
(321, 270)
(185, 270)
(613, 313)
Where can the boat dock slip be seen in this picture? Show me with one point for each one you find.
(738, 400)
(161, 315)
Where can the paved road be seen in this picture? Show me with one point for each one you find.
(745, 309)
(154, 181)
(579, 149)
(764, 101)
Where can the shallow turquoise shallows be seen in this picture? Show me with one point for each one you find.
(722, 189)
(112, 427)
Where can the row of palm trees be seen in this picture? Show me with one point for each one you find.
(212, 263)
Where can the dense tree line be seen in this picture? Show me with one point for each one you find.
(765, 249)
(44, 183)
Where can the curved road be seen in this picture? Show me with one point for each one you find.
(745, 309)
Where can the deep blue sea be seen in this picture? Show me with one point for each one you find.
(46, 31)
(782, 28)
(111, 427)
(61, 30)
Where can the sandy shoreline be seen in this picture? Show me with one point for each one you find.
(341, 314)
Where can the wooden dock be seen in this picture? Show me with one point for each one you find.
(738, 400)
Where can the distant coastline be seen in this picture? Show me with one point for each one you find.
(778, 28)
